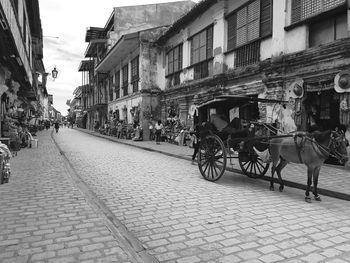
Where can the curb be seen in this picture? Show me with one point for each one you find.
(292, 184)
(133, 246)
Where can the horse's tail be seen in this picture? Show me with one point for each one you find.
(265, 155)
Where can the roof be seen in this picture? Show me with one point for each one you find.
(86, 65)
(235, 99)
(190, 16)
(95, 33)
(91, 50)
(125, 45)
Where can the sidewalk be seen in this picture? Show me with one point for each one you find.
(333, 181)
(46, 216)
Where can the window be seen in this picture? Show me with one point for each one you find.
(303, 9)
(125, 72)
(117, 84)
(110, 88)
(175, 60)
(326, 31)
(135, 74)
(202, 46)
(247, 54)
(201, 70)
(249, 23)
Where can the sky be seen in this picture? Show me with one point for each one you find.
(64, 24)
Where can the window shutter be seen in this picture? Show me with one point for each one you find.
(232, 28)
(171, 62)
(202, 45)
(176, 59)
(303, 9)
(242, 26)
(266, 18)
(210, 42)
(296, 11)
(180, 57)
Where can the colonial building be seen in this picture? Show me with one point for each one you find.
(121, 74)
(21, 53)
(291, 50)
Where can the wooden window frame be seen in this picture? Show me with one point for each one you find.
(125, 79)
(206, 45)
(265, 17)
(117, 84)
(135, 74)
(172, 60)
(297, 11)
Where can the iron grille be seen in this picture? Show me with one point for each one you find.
(248, 54)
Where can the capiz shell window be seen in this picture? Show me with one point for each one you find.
(202, 46)
(249, 23)
(304, 9)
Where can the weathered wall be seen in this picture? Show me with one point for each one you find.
(129, 19)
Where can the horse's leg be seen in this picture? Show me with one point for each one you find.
(273, 169)
(315, 179)
(309, 179)
(282, 164)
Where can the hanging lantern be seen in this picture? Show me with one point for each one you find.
(54, 73)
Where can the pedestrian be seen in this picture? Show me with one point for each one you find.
(195, 142)
(57, 126)
(159, 127)
(150, 127)
(119, 130)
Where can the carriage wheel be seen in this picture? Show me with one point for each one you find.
(212, 158)
(252, 165)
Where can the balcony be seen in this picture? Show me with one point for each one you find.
(10, 25)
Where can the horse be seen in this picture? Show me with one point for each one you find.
(309, 149)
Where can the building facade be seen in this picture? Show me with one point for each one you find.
(289, 50)
(21, 48)
(122, 68)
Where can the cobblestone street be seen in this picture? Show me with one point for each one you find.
(179, 217)
(46, 218)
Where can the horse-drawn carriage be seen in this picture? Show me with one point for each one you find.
(222, 140)
(245, 139)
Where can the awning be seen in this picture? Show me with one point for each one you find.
(86, 65)
(125, 45)
(91, 50)
(95, 33)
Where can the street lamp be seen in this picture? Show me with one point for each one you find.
(54, 73)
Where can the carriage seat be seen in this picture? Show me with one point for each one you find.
(218, 122)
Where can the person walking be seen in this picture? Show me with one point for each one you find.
(195, 142)
(57, 126)
(159, 127)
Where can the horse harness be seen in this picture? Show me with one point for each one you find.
(300, 146)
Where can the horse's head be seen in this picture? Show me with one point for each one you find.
(338, 144)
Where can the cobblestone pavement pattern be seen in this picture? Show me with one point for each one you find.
(45, 218)
(180, 217)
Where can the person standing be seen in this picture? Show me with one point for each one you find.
(195, 142)
(159, 127)
(150, 127)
